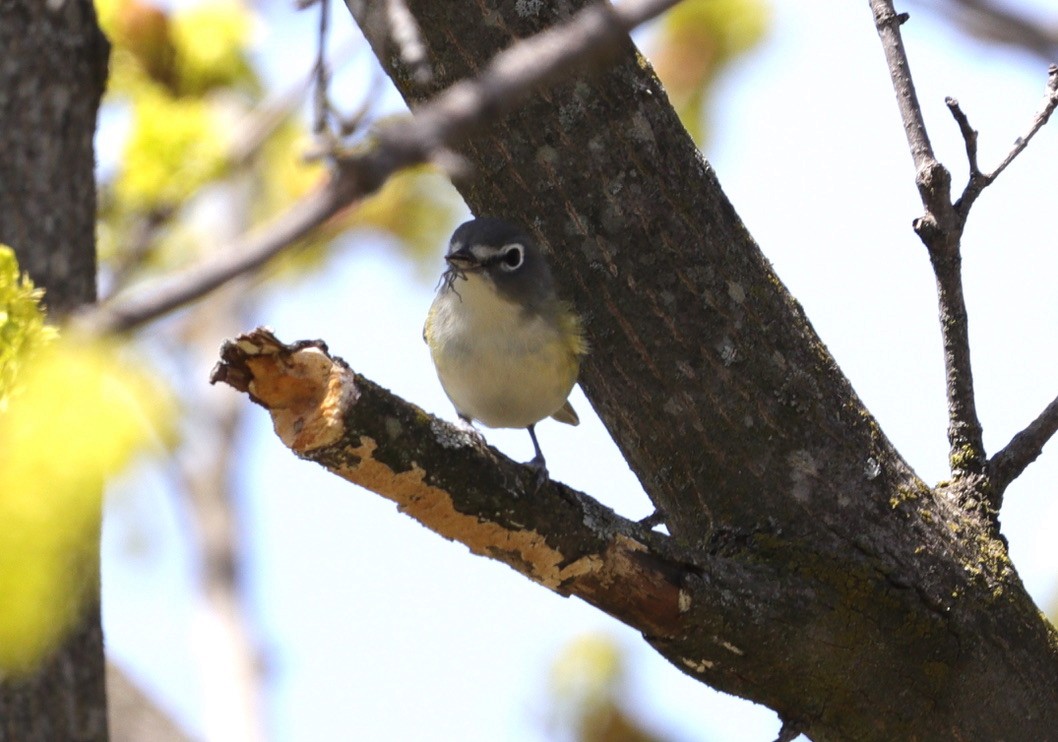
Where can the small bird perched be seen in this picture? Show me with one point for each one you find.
(506, 348)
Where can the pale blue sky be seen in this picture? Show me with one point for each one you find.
(376, 629)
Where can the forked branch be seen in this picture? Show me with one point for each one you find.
(941, 228)
(978, 181)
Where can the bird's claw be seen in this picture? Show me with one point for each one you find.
(541, 473)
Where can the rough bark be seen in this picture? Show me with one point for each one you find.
(887, 609)
(53, 61)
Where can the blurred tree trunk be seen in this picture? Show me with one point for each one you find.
(870, 606)
(52, 75)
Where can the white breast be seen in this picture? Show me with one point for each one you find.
(497, 365)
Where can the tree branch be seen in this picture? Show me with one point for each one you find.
(940, 229)
(436, 126)
(1024, 448)
(978, 181)
(887, 22)
(455, 485)
(848, 595)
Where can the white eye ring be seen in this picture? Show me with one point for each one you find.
(512, 257)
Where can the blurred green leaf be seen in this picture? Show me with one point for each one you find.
(698, 39)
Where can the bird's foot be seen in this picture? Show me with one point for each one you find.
(542, 476)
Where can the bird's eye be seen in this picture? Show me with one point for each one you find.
(513, 256)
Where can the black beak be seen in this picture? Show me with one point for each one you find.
(462, 259)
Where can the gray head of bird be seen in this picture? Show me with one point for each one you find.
(502, 255)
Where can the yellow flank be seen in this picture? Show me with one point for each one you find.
(498, 364)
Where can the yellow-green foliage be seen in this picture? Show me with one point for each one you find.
(189, 51)
(210, 41)
(22, 328)
(176, 146)
(589, 699)
(587, 671)
(183, 75)
(74, 415)
(697, 40)
(167, 66)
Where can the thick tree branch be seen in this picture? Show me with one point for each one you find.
(701, 609)
(465, 491)
(1024, 448)
(735, 418)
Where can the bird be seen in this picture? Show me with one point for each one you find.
(506, 348)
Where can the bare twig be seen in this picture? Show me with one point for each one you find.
(888, 23)
(321, 105)
(139, 305)
(940, 229)
(255, 128)
(430, 134)
(978, 181)
(969, 135)
(252, 132)
(455, 113)
(1050, 102)
(1006, 465)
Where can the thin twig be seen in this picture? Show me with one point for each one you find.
(978, 181)
(321, 106)
(1050, 102)
(969, 135)
(254, 129)
(888, 22)
(1006, 465)
(139, 305)
(454, 114)
(430, 134)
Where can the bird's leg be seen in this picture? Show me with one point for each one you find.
(538, 460)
